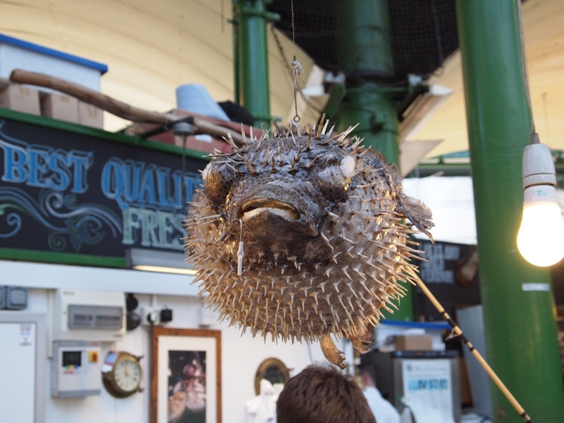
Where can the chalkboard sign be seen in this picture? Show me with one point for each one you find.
(70, 192)
(451, 273)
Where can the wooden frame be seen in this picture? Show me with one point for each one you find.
(273, 370)
(185, 375)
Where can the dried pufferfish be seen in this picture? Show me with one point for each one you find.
(302, 236)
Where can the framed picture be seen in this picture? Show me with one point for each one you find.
(185, 376)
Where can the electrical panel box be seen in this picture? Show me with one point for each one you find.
(75, 369)
(87, 315)
(13, 297)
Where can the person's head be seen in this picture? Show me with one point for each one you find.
(320, 394)
(368, 374)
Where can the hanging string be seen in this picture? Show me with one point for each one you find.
(293, 28)
(297, 68)
(545, 109)
(534, 135)
(284, 60)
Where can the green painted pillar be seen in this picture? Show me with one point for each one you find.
(520, 325)
(376, 115)
(236, 68)
(364, 54)
(251, 19)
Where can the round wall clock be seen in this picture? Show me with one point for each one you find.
(122, 374)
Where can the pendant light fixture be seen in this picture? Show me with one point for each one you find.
(541, 236)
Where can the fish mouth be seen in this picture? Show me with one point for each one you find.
(257, 206)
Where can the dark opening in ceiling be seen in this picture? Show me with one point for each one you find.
(423, 32)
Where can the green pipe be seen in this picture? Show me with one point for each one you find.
(373, 109)
(364, 54)
(236, 73)
(252, 18)
(520, 325)
(364, 37)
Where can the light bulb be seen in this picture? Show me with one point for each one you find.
(541, 235)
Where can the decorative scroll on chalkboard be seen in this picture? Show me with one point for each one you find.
(69, 192)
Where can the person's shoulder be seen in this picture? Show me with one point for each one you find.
(393, 414)
(371, 392)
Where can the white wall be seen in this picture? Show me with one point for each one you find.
(451, 200)
(241, 355)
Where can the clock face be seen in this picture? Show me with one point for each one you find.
(127, 375)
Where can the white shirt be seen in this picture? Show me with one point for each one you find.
(383, 411)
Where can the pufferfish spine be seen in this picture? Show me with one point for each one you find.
(304, 235)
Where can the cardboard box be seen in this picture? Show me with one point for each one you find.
(414, 343)
(16, 53)
(20, 98)
(59, 106)
(90, 115)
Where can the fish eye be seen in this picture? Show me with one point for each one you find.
(218, 179)
(334, 176)
(347, 166)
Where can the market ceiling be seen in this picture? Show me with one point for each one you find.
(153, 47)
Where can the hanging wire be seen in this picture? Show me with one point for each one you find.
(545, 110)
(297, 68)
(534, 135)
(290, 73)
(293, 29)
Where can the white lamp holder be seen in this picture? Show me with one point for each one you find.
(538, 166)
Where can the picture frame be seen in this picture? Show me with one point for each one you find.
(185, 375)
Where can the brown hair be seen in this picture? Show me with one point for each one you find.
(320, 394)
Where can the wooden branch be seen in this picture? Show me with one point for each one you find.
(116, 107)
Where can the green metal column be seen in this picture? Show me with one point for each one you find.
(251, 19)
(376, 115)
(236, 67)
(520, 324)
(364, 54)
